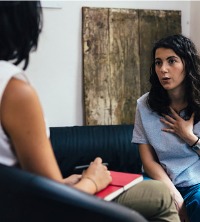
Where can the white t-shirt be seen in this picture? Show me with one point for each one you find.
(8, 71)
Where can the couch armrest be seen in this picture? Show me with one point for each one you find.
(29, 197)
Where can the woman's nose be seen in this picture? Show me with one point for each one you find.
(163, 68)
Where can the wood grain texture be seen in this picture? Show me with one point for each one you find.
(154, 25)
(116, 59)
(96, 66)
(124, 64)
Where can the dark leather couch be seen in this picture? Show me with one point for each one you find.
(26, 197)
(79, 145)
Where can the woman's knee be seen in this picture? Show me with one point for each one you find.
(160, 192)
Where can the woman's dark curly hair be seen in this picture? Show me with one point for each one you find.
(158, 99)
(20, 26)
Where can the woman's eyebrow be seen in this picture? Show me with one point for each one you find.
(170, 57)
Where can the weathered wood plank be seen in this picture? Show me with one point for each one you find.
(124, 64)
(96, 66)
(153, 25)
(116, 59)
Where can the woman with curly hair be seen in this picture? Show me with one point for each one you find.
(167, 123)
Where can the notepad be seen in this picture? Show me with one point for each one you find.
(120, 182)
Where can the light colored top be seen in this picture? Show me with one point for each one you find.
(8, 71)
(180, 162)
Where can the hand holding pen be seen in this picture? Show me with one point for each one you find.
(84, 167)
(98, 174)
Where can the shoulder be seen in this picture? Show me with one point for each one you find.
(143, 106)
(19, 104)
(143, 99)
(18, 91)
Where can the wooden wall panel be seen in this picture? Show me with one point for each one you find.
(124, 64)
(96, 66)
(116, 59)
(154, 24)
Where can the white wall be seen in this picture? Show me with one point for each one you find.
(56, 68)
(194, 23)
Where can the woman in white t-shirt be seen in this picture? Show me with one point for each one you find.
(24, 140)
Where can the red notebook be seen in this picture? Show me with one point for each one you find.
(120, 182)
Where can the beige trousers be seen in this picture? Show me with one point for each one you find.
(152, 200)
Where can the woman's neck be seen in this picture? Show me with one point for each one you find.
(178, 100)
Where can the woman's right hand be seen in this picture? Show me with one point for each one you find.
(98, 173)
(180, 206)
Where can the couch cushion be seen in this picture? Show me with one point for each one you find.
(79, 145)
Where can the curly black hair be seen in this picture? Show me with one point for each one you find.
(20, 25)
(158, 99)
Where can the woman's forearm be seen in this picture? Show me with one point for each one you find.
(156, 171)
(152, 166)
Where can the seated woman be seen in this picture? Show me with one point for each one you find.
(24, 140)
(167, 123)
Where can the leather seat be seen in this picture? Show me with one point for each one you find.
(26, 197)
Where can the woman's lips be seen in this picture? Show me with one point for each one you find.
(165, 80)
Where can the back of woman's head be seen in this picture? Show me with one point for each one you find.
(20, 26)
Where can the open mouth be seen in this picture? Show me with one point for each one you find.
(165, 78)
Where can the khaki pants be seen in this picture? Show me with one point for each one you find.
(151, 199)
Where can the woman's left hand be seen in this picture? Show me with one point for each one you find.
(179, 126)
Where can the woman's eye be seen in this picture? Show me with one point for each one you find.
(157, 63)
(171, 61)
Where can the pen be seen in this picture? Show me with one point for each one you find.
(86, 166)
